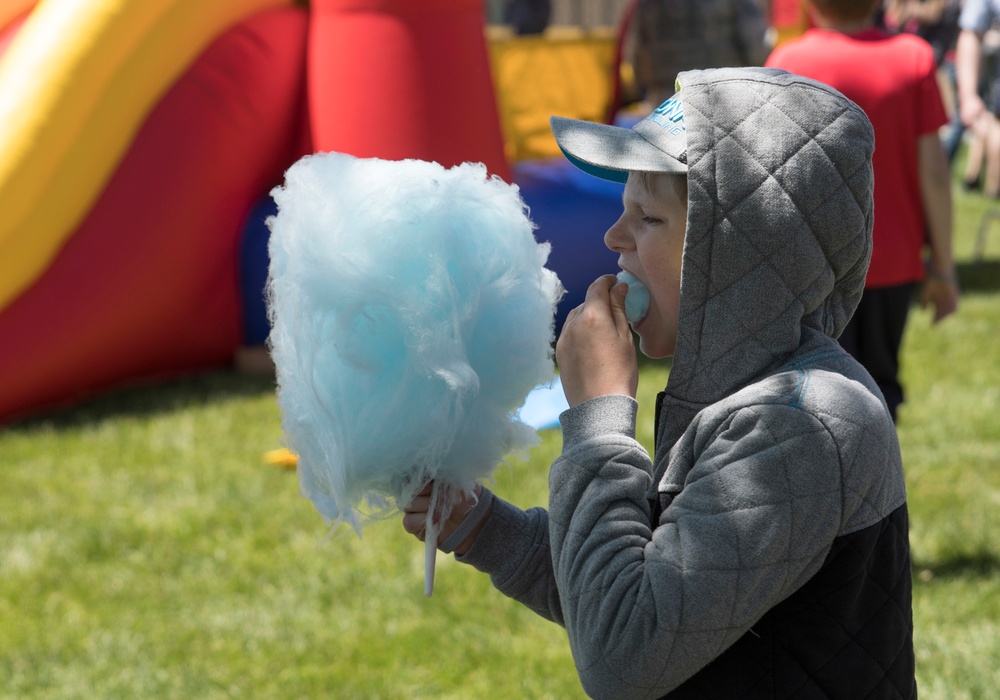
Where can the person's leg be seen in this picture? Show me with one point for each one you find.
(972, 177)
(946, 81)
(991, 181)
(953, 140)
(875, 334)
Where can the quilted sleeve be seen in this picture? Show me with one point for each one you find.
(755, 518)
(513, 549)
(513, 545)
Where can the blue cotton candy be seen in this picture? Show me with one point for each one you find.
(411, 315)
(637, 299)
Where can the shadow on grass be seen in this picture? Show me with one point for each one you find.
(150, 398)
(979, 276)
(960, 565)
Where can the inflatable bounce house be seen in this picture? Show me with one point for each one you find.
(141, 138)
(789, 18)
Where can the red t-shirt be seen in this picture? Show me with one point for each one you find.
(892, 78)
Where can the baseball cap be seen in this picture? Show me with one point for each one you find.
(656, 144)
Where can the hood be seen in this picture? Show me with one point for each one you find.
(779, 225)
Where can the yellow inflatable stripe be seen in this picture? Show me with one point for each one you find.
(75, 86)
(563, 73)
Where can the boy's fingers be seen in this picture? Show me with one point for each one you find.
(419, 504)
(600, 295)
(600, 287)
(618, 293)
(416, 503)
(413, 522)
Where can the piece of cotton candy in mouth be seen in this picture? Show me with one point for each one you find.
(637, 299)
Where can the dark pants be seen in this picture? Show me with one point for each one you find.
(875, 334)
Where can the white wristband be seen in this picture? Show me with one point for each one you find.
(472, 518)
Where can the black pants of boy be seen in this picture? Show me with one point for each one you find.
(874, 336)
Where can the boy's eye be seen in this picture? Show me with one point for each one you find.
(651, 220)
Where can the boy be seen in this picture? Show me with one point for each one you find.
(762, 551)
(912, 176)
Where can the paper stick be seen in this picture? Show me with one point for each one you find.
(430, 541)
(430, 559)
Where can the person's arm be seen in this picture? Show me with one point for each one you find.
(896, 12)
(647, 608)
(598, 366)
(940, 289)
(968, 55)
(599, 373)
(508, 544)
(926, 12)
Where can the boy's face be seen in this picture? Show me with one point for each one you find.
(649, 240)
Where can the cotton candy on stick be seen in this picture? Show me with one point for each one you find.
(411, 315)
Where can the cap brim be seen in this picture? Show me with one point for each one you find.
(610, 152)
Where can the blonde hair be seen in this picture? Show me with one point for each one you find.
(645, 179)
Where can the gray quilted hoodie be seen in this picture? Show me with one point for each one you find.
(762, 551)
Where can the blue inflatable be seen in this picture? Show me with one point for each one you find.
(571, 209)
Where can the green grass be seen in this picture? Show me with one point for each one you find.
(147, 552)
(950, 435)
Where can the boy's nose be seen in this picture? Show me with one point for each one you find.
(616, 238)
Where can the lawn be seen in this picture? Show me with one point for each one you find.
(146, 551)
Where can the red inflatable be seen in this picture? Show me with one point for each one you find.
(401, 79)
(147, 287)
(8, 33)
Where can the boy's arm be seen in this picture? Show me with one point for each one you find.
(940, 289)
(646, 609)
(505, 542)
(512, 547)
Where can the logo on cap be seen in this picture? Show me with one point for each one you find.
(669, 116)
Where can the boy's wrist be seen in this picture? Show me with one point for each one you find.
(462, 538)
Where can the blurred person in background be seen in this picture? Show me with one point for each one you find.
(527, 17)
(982, 163)
(975, 20)
(912, 178)
(935, 21)
(677, 35)
(978, 93)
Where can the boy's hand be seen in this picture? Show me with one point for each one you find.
(595, 351)
(415, 518)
